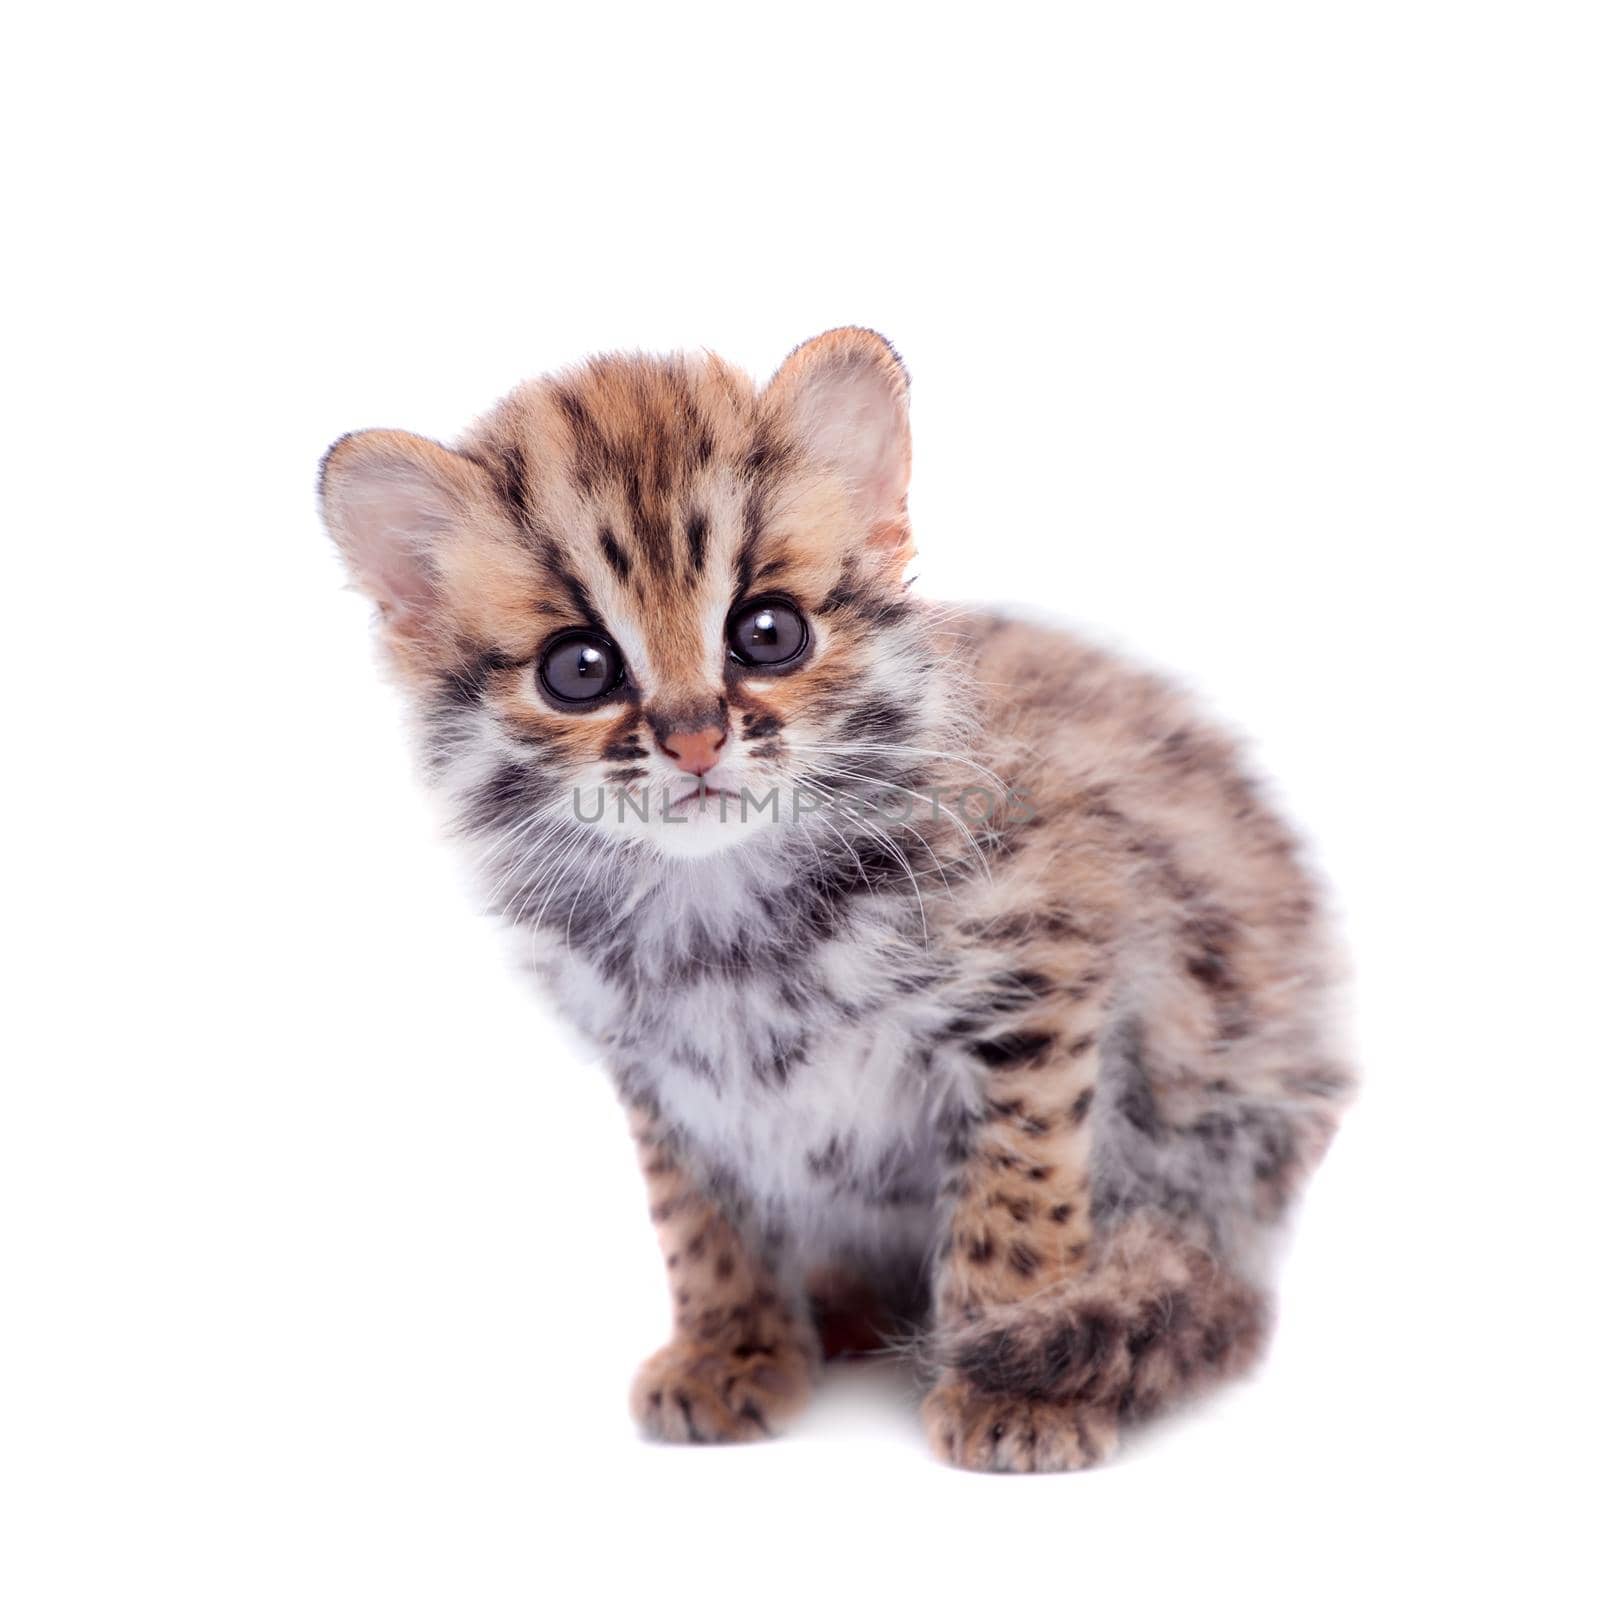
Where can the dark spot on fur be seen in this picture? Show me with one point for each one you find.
(1013, 1050)
(829, 1161)
(1022, 1260)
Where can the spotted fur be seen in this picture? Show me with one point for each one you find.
(1034, 1074)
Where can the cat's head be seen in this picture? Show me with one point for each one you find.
(650, 579)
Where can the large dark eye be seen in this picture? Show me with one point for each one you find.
(766, 633)
(580, 666)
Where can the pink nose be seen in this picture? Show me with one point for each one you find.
(696, 751)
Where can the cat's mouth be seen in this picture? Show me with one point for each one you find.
(702, 798)
(695, 818)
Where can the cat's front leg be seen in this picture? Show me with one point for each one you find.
(741, 1358)
(1018, 1238)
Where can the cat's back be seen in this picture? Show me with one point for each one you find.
(1129, 782)
(1047, 699)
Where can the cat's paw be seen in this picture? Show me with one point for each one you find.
(693, 1393)
(984, 1432)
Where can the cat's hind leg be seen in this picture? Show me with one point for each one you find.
(1054, 1320)
(1043, 1383)
(1017, 1237)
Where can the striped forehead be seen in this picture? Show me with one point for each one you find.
(652, 494)
(667, 615)
(638, 486)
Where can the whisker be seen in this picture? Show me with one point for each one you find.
(904, 749)
(954, 817)
(898, 854)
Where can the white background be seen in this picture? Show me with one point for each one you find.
(1261, 339)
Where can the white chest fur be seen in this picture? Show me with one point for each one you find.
(822, 1097)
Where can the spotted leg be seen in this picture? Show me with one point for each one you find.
(741, 1359)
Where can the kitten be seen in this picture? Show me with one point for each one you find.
(959, 982)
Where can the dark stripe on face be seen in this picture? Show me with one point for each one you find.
(591, 455)
(767, 458)
(844, 593)
(616, 556)
(626, 743)
(764, 464)
(695, 532)
(877, 720)
(560, 574)
(507, 795)
(652, 529)
(465, 684)
(850, 594)
(516, 481)
(507, 467)
(699, 446)
(745, 561)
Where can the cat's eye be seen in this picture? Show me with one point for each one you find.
(580, 666)
(767, 633)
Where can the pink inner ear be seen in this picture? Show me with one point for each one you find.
(855, 418)
(888, 537)
(390, 515)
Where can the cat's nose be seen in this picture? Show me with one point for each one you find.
(694, 750)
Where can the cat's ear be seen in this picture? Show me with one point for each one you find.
(391, 500)
(843, 397)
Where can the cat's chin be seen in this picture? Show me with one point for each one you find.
(699, 832)
(699, 840)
